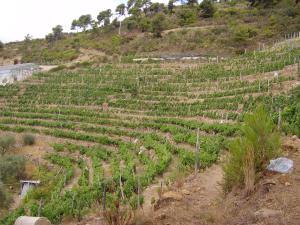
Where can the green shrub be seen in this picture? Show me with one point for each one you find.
(207, 8)
(11, 168)
(28, 139)
(6, 142)
(58, 147)
(4, 197)
(291, 114)
(187, 16)
(243, 33)
(259, 143)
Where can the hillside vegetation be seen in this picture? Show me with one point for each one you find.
(124, 125)
(153, 29)
(102, 132)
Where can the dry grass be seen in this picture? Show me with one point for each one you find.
(249, 171)
(119, 215)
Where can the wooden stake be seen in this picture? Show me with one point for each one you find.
(197, 152)
(104, 197)
(279, 119)
(139, 190)
(298, 70)
(121, 187)
(40, 207)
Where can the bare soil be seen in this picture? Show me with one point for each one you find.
(200, 200)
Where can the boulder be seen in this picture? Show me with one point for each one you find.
(27, 220)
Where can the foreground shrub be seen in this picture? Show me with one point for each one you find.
(11, 168)
(118, 215)
(250, 153)
(6, 142)
(4, 197)
(291, 114)
(29, 139)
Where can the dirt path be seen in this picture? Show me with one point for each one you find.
(179, 205)
(192, 28)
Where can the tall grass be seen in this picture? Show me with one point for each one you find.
(250, 153)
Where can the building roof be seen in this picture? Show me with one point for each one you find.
(5, 70)
(30, 181)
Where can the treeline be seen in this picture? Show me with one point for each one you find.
(142, 15)
(147, 16)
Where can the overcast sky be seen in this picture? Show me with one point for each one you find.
(37, 17)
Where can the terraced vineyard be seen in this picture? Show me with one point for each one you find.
(119, 127)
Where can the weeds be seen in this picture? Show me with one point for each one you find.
(250, 153)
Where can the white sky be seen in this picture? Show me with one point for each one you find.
(37, 17)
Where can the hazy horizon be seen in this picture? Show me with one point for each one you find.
(37, 18)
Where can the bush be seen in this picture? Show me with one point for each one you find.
(243, 32)
(250, 153)
(29, 139)
(291, 114)
(6, 142)
(158, 24)
(11, 168)
(4, 198)
(207, 8)
(187, 16)
(1, 45)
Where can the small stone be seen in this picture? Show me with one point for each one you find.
(171, 195)
(288, 184)
(161, 216)
(269, 181)
(186, 192)
(294, 137)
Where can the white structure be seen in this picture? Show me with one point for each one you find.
(14, 73)
(26, 220)
(26, 185)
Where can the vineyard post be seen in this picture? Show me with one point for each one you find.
(73, 199)
(298, 70)
(104, 197)
(121, 187)
(268, 86)
(139, 192)
(197, 152)
(40, 207)
(279, 119)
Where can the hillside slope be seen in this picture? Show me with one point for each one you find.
(234, 27)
